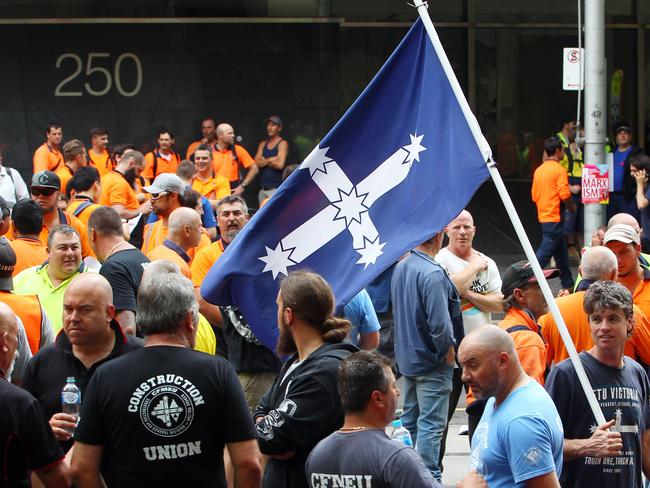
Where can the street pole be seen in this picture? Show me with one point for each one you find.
(595, 104)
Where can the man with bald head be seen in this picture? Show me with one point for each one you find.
(184, 233)
(90, 337)
(230, 158)
(24, 432)
(478, 282)
(518, 441)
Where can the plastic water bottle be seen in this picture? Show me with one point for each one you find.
(71, 398)
(401, 434)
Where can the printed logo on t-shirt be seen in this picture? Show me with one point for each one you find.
(166, 404)
(532, 456)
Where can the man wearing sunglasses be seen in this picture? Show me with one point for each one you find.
(46, 189)
(166, 194)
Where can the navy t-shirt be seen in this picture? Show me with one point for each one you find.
(623, 396)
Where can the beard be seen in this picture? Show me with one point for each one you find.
(130, 175)
(286, 344)
(231, 234)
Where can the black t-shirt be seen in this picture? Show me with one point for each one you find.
(163, 415)
(123, 270)
(245, 353)
(48, 370)
(369, 459)
(623, 396)
(26, 438)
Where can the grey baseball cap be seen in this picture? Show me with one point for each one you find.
(168, 182)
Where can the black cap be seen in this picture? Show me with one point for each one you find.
(46, 179)
(521, 273)
(7, 265)
(622, 125)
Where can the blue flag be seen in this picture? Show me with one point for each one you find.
(397, 168)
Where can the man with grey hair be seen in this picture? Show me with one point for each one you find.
(172, 410)
(616, 452)
(598, 263)
(24, 431)
(519, 439)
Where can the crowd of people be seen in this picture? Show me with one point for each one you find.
(101, 263)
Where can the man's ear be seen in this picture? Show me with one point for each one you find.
(288, 315)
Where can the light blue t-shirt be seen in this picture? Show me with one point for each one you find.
(519, 440)
(361, 313)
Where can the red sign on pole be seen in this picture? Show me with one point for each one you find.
(595, 185)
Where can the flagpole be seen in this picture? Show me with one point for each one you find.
(484, 147)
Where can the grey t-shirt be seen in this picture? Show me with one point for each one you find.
(368, 459)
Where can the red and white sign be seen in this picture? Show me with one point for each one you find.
(572, 65)
(595, 185)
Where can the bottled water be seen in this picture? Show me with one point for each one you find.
(71, 398)
(401, 434)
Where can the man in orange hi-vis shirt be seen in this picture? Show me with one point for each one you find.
(163, 159)
(184, 234)
(166, 194)
(209, 133)
(209, 184)
(230, 157)
(598, 264)
(551, 189)
(48, 156)
(98, 155)
(46, 188)
(523, 304)
(74, 154)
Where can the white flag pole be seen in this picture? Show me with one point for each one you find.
(484, 147)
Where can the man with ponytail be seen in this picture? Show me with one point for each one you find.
(303, 405)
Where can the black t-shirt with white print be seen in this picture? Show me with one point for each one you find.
(623, 396)
(163, 415)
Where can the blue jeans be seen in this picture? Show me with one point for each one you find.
(554, 245)
(426, 401)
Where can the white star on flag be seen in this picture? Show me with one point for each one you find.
(371, 251)
(277, 260)
(316, 160)
(350, 206)
(414, 149)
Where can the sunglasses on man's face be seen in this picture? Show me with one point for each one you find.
(46, 192)
(156, 196)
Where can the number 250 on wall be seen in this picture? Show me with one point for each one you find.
(102, 79)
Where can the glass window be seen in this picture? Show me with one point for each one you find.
(525, 11)
(397, 10)
(519, 96)
(364, 51)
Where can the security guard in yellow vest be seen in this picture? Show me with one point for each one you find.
(572, 163)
